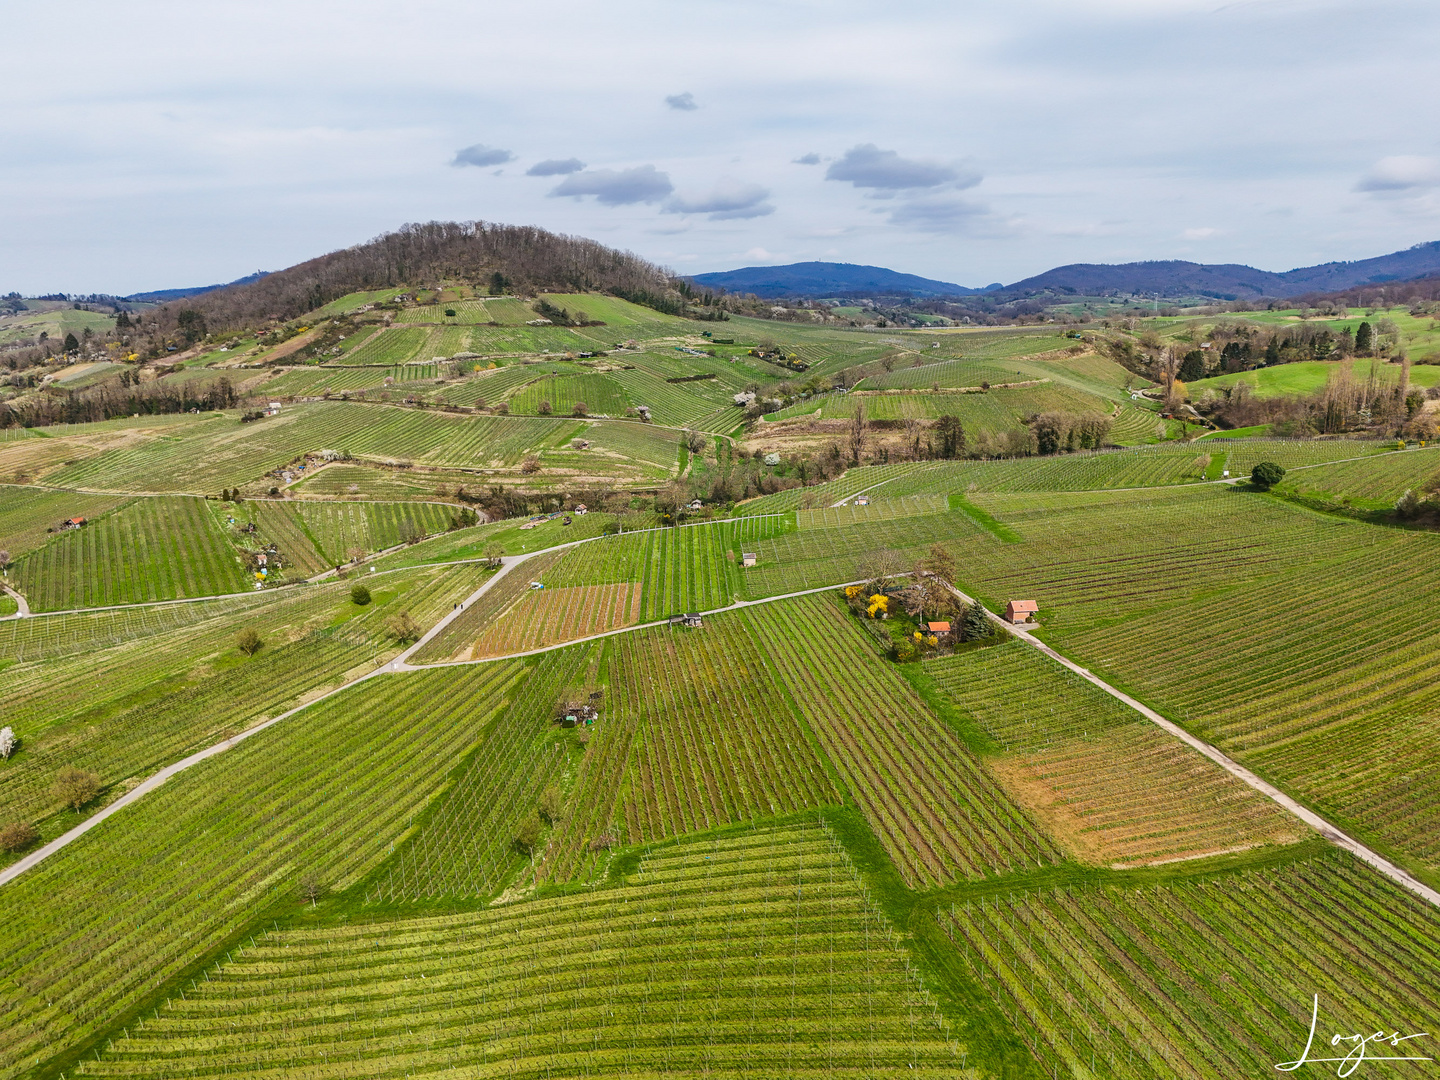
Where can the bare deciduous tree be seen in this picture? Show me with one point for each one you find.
(74, 787)
(878, 567)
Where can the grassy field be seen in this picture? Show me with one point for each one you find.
(1308, 376)
(599, 394)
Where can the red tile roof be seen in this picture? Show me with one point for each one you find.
(939, 627)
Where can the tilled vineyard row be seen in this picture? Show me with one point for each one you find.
(89, 933)
(717, 742)
(1207, 980)
(552, 616)
(753, 955)
(150, 549)
(938, 813)
(1111, 785)
(466, 847)
(462, 632)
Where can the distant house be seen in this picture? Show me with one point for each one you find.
(1021, 611)
(689, 618)
(863, 500)
(72, 523)
(696, 504)
(580, 509)
(938, 628)
(748, 558)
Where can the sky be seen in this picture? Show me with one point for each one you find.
(159, 144)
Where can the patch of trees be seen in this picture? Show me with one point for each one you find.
(112, 399)
(517, 258)
(1368, 403)
(1059, 432)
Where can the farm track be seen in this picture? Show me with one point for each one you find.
(1340, 839)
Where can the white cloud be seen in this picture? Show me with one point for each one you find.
(811, 158)
(622, 187)
(684, 102)
(1401, 173)
(728, 201)
(867, 166)
(1202, 233)
(482, 155)
(555, 167)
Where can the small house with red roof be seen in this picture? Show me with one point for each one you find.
(1021, 611)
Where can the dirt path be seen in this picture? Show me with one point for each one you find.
(1340, 839)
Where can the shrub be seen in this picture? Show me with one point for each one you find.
(74, 787)
(550, 804)
(1407, 508)
(530, 465)
(359, 595)
(248, 641)
(580, 409)
(1266, 475)
(9, 742)
(17, 836)
(544, 408)
(527, 833)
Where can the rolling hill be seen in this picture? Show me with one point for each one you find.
(828, 279)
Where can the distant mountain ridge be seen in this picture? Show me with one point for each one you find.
(160, 296)
(1226, 281)
(827, 279)
(1159, 278)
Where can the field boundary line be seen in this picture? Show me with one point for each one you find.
(1330, 832)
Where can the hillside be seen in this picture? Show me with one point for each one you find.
(160, 296)
(827, 279)
(1229, 281)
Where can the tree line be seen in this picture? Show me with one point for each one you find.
(114, 398)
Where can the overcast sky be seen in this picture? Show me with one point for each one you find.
(157, 144)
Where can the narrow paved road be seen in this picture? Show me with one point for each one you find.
(20, 602)
(1340, 839)
(150, 783)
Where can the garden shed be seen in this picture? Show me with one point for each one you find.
(748, 558)
(688, 618)
(1019, 611)
(938, 628)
